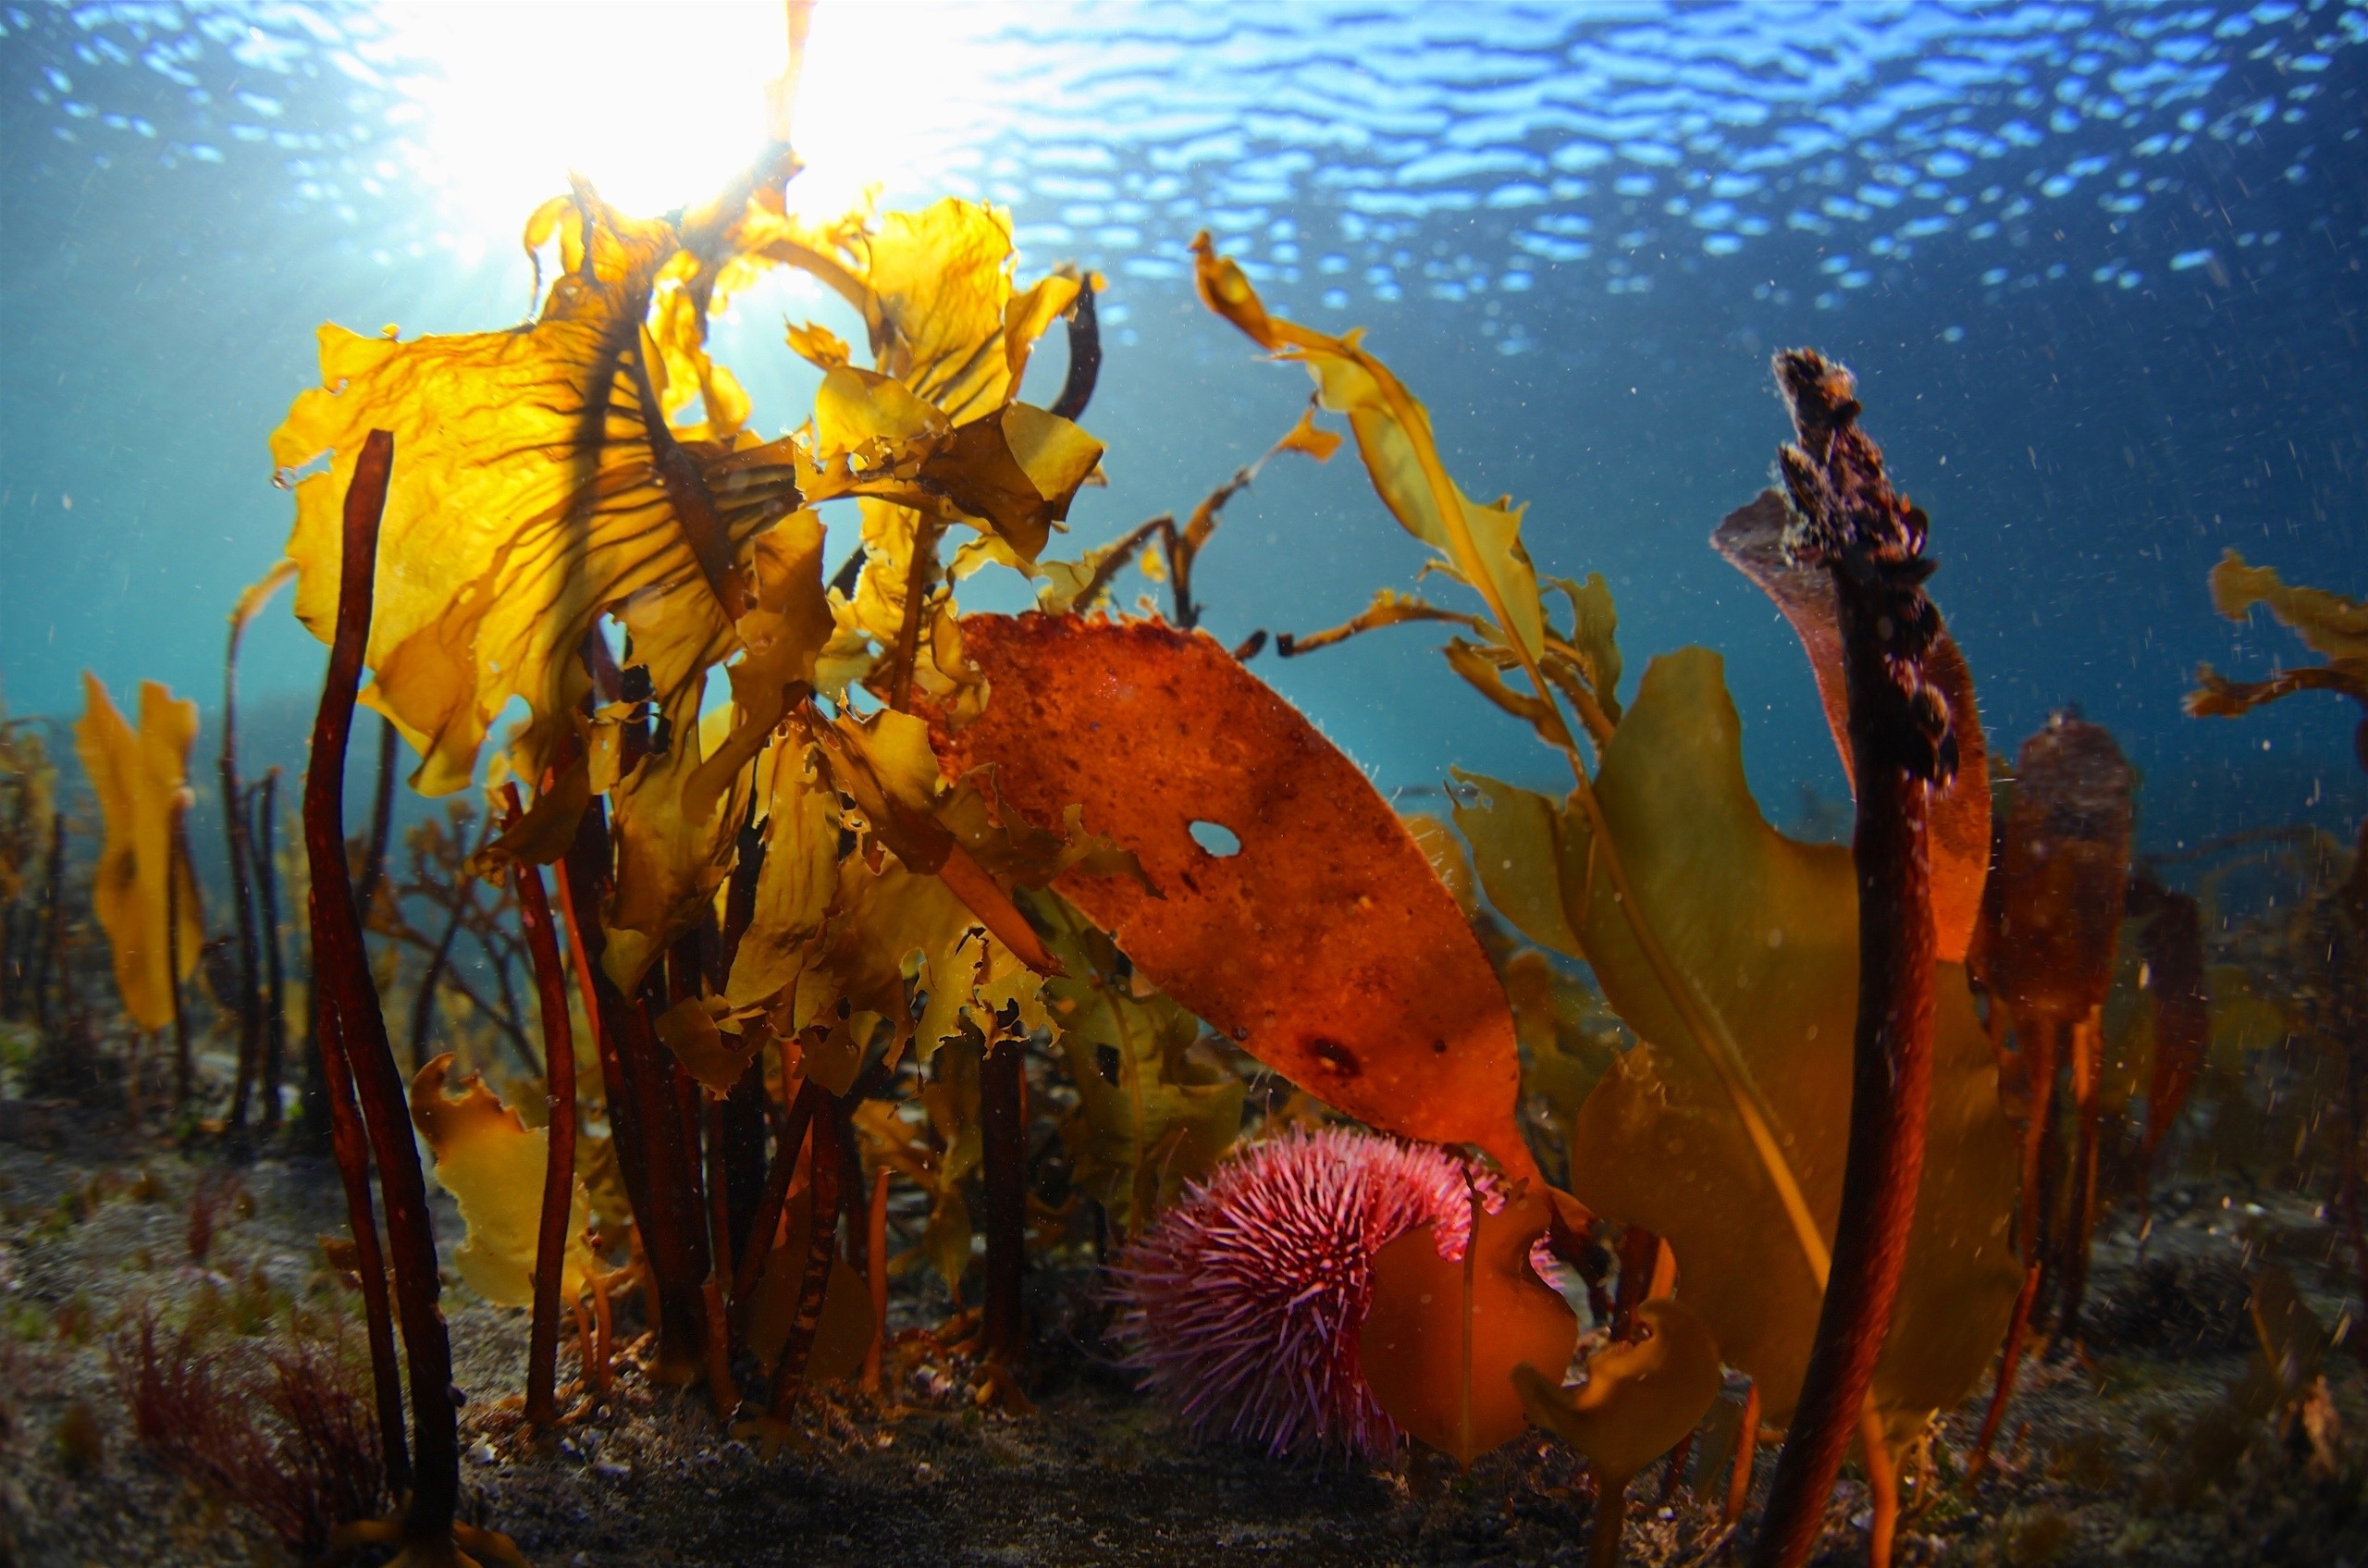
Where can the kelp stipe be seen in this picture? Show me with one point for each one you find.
(237, 843)
(367, 1098)
(1850, 522)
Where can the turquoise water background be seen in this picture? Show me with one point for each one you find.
(2099, 267)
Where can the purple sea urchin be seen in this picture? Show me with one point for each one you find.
(1244, 1300)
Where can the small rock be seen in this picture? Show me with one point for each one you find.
(482, 1454)
(610, 1470)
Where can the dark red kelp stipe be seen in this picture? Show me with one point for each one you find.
(559, 1167)
(366, 1091)
(366, 501)
(1849, 520)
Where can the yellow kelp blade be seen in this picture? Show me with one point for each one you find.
(798, 878)
(1013, 472)
(2329, 624)
(936, 425)
(713, 1046)
(945, 317)
(533, 490)
(948, 1108)
(677, 813)
(1767, 927)
(1153, 1120)
(494, 1164)
(1393, 433)
(883, 923)
(142, 785)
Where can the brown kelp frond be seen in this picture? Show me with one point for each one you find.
(932, 436)
(2217, 697)
(1770, 924)
(1582, 663)
(2171, 940)
(2062, 870)
(30, 825)
(1154, 1115)
(1481, 545)
(245, 995)
(282, 1431)
(1639, 1398)
(2331, 625)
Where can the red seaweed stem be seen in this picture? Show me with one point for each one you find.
(767, 1220)
(249, 1001)
(1003, 1126)
(274, 977)
(1871, 540)
(559, 1164)
(821, 1245)
(2040, 1068)
(353, 1031)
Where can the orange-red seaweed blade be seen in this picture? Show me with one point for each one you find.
(1326, 946)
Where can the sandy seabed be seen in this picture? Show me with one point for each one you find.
(2104, 1460)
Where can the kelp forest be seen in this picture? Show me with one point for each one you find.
(723, 1054)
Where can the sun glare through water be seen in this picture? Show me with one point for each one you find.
(659, 104)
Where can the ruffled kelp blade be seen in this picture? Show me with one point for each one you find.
(676, 813)
(2329, 624)
(537, 489)
(1324, 945)
(934, 433)
(142, 891)
(1766, 928)
(494, 1166)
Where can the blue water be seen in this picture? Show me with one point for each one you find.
(2099, 269)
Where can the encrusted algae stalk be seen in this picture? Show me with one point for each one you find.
(1851, 520)
(354, 1036)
